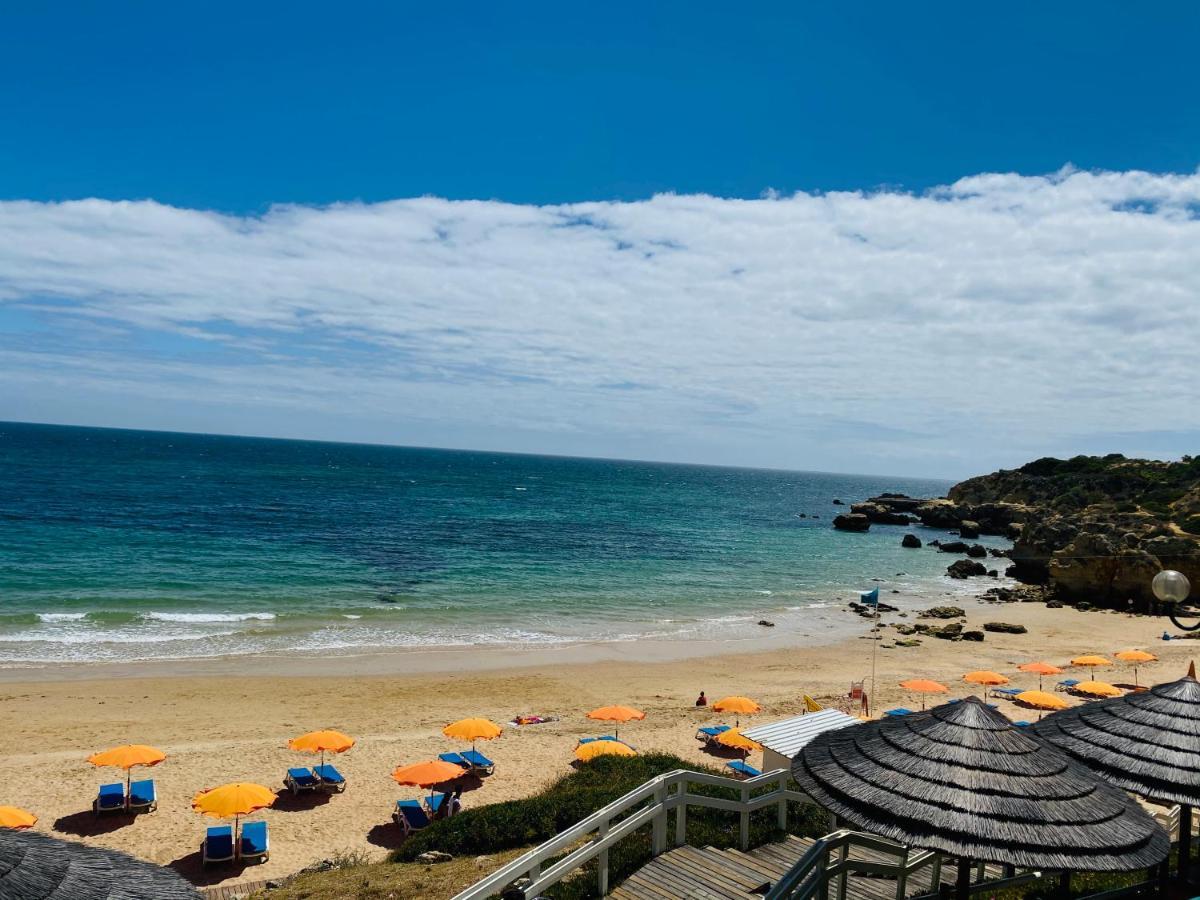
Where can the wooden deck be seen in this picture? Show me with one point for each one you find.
(690, 873)
(233, 891)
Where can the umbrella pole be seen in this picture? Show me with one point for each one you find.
(962, 884)
(1185, 842)
(1064, 884)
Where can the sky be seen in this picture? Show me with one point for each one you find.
(889, 239)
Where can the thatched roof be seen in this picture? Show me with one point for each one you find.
(1148, 743)
(37, 867)
(961, 779)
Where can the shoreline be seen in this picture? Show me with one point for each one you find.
(232, 723)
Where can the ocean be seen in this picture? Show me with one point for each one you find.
(133, 545)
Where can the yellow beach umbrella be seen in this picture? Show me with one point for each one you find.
(427, 774)
(1090, 662)
(237, 799)
(11, 817)
(472, 730)
(739, 706)
(1136, 657)
(127, 757)
(322, 742)
(592, 749)
(1041, 700)
(1040, 669)
(616, 714)
(1098, 689)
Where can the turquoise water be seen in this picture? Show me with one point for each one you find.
(122, 545)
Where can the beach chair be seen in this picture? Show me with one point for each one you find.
(1067, 684)
(256, 842)
(742, 769)
(1022, 724)
(588, 740)
(298, 780)
(110, 798)
(898, 711)
(217, 845)
(471, 760)
(710, 733)
(331, 779)
(435, 802)
(811, 705)
(410, 816)
(1007, 693)
(142, 796)
(455, 759)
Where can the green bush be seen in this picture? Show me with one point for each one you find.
(532, 820)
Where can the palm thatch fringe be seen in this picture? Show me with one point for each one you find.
(961, 779)
(37, 866)
(1148, 743)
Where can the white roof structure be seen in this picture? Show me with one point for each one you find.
(787, 737)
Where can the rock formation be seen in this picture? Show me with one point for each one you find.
(851, 522)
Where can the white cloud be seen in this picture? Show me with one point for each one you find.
(990, 320)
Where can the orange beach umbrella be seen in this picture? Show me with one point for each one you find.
(1136, 657)
(616, 714)
(472, 730)
(924, 686)
(734, 738)
(1090, 662)
(1041, 700)
(1098, 689)
(1040, 669)
(427, 774)
(11, 817)
(127, 757)
(984, 677)
(237, 799)
(322, 742)
(739, 706)
(592, 749)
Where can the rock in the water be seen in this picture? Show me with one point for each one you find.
(434, 856)
(1004, 627)
(943, 612)
(910, 540)
(976, 551)
(953, 546)
(998, 552)
(765, 624)
(837, 502)
(968, 529)
(972, 635)
(852, 522)
(965, 568)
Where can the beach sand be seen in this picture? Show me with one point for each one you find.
(230, 720)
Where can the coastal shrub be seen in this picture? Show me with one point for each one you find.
(532, 820)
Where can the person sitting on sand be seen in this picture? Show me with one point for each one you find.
(702, 700)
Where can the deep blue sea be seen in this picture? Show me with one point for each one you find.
(122, 545)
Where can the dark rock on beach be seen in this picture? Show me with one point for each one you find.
(977, 551)
(953, 546)
(1004, 628)
(968, 529)
(910, 540)
(972, 636)
(943, 612)
(965, 568)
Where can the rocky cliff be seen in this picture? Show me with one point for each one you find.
(1092, 528)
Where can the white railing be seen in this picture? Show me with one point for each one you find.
(649, 804)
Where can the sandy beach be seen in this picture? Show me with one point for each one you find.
(229, 720)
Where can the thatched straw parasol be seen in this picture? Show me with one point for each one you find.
(1148, 743)
(961, 779)
(36, 865)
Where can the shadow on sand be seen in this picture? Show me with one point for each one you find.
(286, 801)
(87, 824)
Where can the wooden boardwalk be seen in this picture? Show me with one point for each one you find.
(233, 891)
(691, 873)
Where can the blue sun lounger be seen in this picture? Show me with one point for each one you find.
(898, 711)
(256, 842)
(297, 780)
(110, 798)
(142, 796)
(603, 737)
(1022, 724)
(1009, 693)
(1067, 684)
(710, 733)
(331, 779)
(471, 760)
(410, 816)
(741, 769)
(217, 845)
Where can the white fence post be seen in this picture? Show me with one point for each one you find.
(681, 790)
(745, 821)
(658, 828)
(602, 862)
(782, 812)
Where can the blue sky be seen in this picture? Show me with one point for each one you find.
(653, 255)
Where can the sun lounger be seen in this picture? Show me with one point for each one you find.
(1067, 684)
(217, 845)
(1022, 724)
(256, 842)
(110, 798)
(603, 737)
(741, 769)
(471, 760)
(410, 816)
(709, 733)
(142, 796)
(331, 779)
(898, 711)
(298, 780)
(434, 804)
(1009, 693)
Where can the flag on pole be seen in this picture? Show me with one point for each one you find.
(869, 598)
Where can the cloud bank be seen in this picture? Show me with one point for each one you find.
(994, 319)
